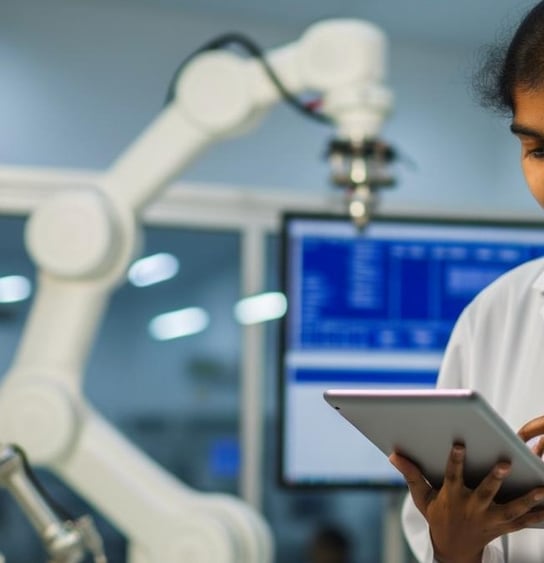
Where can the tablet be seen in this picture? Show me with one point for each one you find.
(422, 425)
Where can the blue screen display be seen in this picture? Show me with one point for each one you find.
(375, 308)
(396, 294)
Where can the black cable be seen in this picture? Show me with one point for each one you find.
(254, 50)
(57, 508)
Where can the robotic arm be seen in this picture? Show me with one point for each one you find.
(83, 241)
(220, 95)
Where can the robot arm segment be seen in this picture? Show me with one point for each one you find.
(164, 519)
(82, 244)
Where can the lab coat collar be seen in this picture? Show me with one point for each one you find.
(538, 285)
(539, 282)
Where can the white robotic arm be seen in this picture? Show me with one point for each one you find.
(83, 241)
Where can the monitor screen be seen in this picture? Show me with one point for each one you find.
(373, 309)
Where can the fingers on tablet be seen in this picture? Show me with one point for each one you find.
(523, 511)
(453, 475)
(408, 469)
(490, 485)
(419, 487)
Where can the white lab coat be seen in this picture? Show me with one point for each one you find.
(497, 348)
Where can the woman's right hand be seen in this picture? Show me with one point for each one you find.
(463, 521)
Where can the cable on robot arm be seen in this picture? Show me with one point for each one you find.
(66, 539)
(359, 165)
(59, 510)
(227, 39)
(213, 96)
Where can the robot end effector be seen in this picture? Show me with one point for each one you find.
(356, 102)
(361, 168)
(359, 160)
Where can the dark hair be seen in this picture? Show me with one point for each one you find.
(508, 65)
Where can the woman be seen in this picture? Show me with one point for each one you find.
(496, 348)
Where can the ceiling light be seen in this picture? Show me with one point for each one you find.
(14, 288)
(260, 308)
(153, 269)
(179, 323)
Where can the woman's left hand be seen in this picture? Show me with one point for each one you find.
(534, 429)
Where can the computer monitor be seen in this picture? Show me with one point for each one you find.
(373, 308)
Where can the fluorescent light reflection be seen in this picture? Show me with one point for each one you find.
(14, 289)
(260, 308)
(179, 323)
(153, 269)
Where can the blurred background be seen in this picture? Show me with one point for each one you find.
(80, 79)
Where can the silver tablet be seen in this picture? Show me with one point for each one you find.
(422, 425)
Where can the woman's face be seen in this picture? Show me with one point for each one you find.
(528, 126)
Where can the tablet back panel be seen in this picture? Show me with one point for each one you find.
(423, 425)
